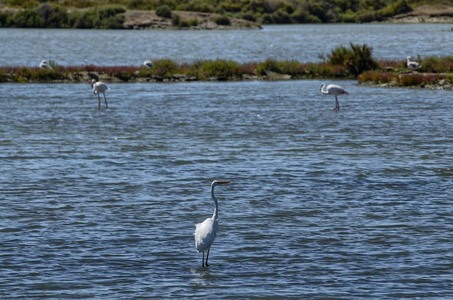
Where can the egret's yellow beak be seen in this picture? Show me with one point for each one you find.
(223, 182)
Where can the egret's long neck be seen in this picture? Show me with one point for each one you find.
(323, 90)
(215, 215)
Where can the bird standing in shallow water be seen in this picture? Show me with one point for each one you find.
(333, 89)
(99, 87)
(206, 232)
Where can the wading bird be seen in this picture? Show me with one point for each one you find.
(44, 64)
(206, 232)
(148, 63)
(333, 89)
(411, 64)
(99, 87)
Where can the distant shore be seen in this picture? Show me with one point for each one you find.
(140, 19)
(437, 13)
(120, 16)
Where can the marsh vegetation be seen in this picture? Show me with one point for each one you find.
(353, 62)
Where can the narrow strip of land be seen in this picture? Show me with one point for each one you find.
(435, 73)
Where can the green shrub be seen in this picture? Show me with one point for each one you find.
(267, 19)
(222, 20)
(339, 55)
(281, 17)
(23, 3)
(411, 80)
(53, 16)
(438, 64)
(27, 18)
(365, 17)
(110, 11)
(348, 17)
(139, 4)
(269, 64)
(220, 68)
(249, 17)
(196, 6)
(318, 11)
(115, 22)
(193, 22)
(175, 20)
(356, 60)
(184, 23)
(292, 67)
(3, 76)
(109, 17)
(397, 8)
(230, 7)
(300, 16)
(163, 11)
(82, 20)
(4, 18)
(377, 77)
(288, 8)
(164, 67)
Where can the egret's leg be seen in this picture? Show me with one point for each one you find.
(105, 99)
(202, 260)
(99, 101)
(207, 256)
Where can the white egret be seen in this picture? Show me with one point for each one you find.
(411, 64)
(44, 64)
(99, 87)
(333, 89)
(148, 63)
(206, 232)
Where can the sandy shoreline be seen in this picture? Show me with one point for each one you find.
(140, 19)
(437, 13)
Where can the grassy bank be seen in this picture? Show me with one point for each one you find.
(435, 72)
(342, 62)
(166, 70)
(353, 62)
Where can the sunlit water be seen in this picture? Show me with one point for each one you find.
(305, 43)
(101, 204)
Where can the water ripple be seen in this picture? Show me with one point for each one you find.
(321, 204)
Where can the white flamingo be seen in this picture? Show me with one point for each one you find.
(44, 64)
(206, 232)
(333, 89)
(148, 63)
(99, 87)
(411, 64)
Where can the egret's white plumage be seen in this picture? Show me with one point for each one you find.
(333, 89)
(148, 63)
(99, 87)
(44, 64)
(206, 232)
(411, 64)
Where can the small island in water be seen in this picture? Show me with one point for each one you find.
(353, 62)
